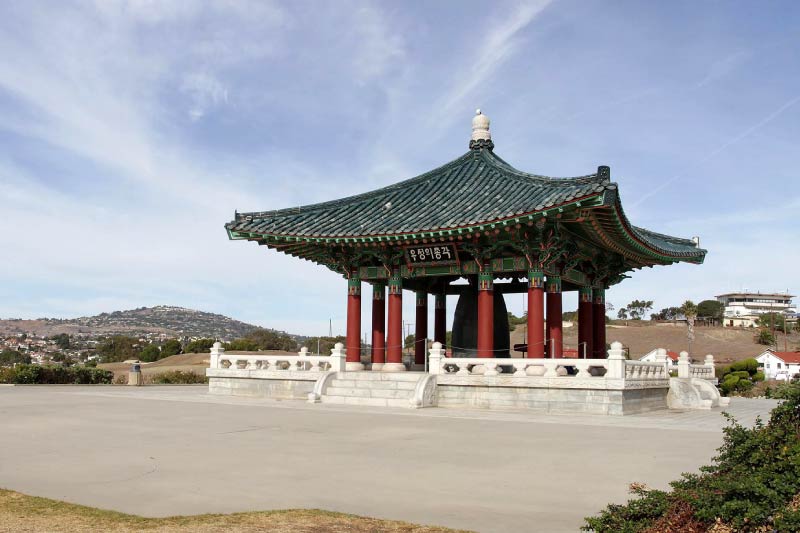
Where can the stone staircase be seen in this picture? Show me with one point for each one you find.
(379, 389)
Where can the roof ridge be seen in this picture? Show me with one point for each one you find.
(505, 165)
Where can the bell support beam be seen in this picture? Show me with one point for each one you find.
(353, 339)
(378, 325)
(485, 344)
(585, 323)
(394, 326)
(535, 337)
(421, 328)
(555, 336)
(599, 324)
(440, 319)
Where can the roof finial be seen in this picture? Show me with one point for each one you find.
(481, 136)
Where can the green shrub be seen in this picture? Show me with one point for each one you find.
(746, 365)
(752, 484)
(56, 375)
(176, 377)
(728, 384)
(758, 376)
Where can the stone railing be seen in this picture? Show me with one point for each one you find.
(688, 370)
(302, 362)
(645, 371)
(615, 370)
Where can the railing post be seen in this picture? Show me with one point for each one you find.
(683, 365)
(435, 358)
(216, 351)
(661, 357)
(710, 361)
(616, 361)
(338, 358)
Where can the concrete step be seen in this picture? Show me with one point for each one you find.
(358, 392)
(373, 384)
(357, 400)
(380, 376)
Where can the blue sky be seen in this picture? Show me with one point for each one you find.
(130, 131)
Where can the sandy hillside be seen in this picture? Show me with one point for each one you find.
(726, 344)
(186, 362)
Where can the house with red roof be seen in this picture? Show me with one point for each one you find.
(779, 365)
(672, 358)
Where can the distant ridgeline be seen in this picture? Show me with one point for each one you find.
(171, 320)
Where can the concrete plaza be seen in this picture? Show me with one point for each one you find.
(158, 451)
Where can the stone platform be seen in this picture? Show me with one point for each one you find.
(611, 386)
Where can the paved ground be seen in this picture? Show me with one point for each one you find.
(158, 451)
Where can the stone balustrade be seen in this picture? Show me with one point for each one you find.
(302, 362)
(688, 370)
(645, 370)
(614, 371)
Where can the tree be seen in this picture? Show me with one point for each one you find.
(689, 310)
(10, 357)
(776, 321)
(409, 342)
(765, 337)
(622, 314)
(242, 345)
(323, 344)
(171, 347)
(710, 309)
(118, 348)
(150, 353)
(267, 339)
(514, 321)
(569, 316)
(199, 346)
(668, 313)
(61, 340)
(639, 308)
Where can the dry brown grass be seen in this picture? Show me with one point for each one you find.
(726, 344)
(21, 513)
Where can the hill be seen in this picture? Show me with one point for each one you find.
(725, 344)
(185, 362)
(169, 320)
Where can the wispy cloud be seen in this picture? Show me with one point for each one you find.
(719, 149)
(721, 68)
(379, 49)
(498, 44)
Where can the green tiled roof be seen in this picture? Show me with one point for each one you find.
(473, 191)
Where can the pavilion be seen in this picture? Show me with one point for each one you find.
(478, 219)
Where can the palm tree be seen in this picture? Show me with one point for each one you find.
(689, 310)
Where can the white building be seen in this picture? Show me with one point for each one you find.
(779, 365)
(744, 308)
(672, 358)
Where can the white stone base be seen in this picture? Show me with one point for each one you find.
(377, 367)
(284, 389)
(353, 366)
(553, 400)
(393, 367)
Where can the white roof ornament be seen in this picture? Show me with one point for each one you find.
(481, 136)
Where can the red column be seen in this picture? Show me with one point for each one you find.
(585, 323)
(378, 325)
(535, 338)
(599, 324)
(353, 341)
(440, 319)
(555, 344)
(485, 314)
(421, 328)
(394, 329)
